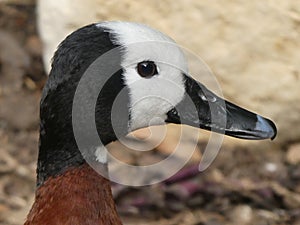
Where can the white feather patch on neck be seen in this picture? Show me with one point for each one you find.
(101, 154)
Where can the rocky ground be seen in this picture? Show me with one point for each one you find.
(243, 186)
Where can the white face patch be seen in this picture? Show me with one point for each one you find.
(150, 98)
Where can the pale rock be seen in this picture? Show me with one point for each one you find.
(242, 214)
(293, 154)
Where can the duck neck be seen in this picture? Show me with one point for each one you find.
(78, 196)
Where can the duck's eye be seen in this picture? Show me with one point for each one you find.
(147, 69)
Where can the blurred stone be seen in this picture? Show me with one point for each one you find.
(17, 217)
(14, 62)
(293, 154)
(291, 199)
(295, 173)
(3, 208)
(34, 45)
(11, 51)
(21, 2)
(20, 114)
(267, 216)
(297, 222)
(242, 215)
(7, 162)
(274, 169)
(3, 211)
(29, 83)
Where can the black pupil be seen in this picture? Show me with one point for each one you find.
(147, 69)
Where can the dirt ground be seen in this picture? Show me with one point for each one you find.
(243, 186)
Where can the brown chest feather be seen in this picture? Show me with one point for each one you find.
(80, 196)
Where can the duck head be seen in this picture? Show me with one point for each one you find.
(142, 70)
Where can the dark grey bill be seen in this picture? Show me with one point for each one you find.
(203, 109)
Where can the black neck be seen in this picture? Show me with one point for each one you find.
(58, 148)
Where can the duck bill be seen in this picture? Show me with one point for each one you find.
(203, 109)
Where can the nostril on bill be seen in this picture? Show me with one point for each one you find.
(207, 96)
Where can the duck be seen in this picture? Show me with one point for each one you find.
(146, 73)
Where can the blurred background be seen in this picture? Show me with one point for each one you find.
(252, 47)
